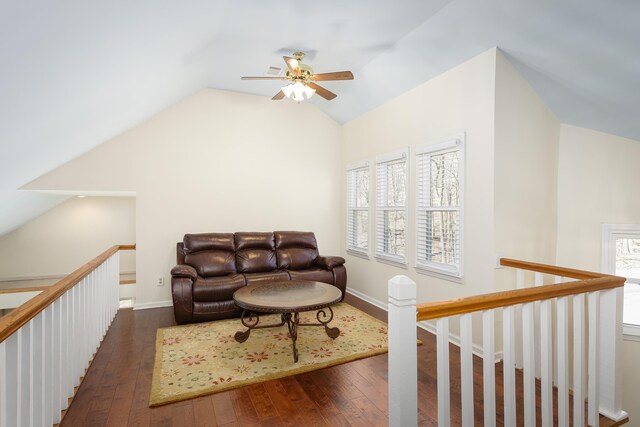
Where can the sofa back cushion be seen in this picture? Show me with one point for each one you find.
(255, 252)
(295, 250)
(211, 254)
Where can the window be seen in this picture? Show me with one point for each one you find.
(621, 256)
(391, 206)
(439, 206)
(358, 208)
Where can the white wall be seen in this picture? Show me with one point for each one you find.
(526, 164)
(460, 100)
(216, 162)
(69, 235)
(598, 183)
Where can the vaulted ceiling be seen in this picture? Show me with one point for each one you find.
(74, 73)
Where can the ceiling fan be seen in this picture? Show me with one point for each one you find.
(302, 80)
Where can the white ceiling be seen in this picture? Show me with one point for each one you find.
(76, 73)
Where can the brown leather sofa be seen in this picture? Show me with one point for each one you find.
(212, 266)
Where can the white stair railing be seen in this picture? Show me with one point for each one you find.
(533, 314)
(47, 344)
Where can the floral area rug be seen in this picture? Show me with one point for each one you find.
(204, 358)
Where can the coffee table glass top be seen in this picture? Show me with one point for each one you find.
(300, 295)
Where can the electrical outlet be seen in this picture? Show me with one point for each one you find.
(160, 281)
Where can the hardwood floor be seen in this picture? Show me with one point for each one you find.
(115, 390)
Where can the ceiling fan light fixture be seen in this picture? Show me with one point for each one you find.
(287, 90)
(309, 91)
(298, 91)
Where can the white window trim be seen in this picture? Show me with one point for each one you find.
(610, 232)
(386, 258)
(357, 251)
(436, 269)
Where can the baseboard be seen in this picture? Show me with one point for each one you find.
(157, 304)
(431, 328)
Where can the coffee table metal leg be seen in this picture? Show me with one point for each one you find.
(250, 322)
(293, 331)
(324, 319)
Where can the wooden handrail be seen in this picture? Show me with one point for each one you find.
(128, 247)
(550, 269)
(436, 310)
(27, 311)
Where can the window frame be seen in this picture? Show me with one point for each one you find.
(386, 159)
(610, 233)
(448, 144)
(355, 250)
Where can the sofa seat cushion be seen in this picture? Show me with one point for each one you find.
(217, 288)
(312, 274)
(203, 311)
(273, 276)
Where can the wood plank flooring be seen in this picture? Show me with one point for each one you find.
(115, 390)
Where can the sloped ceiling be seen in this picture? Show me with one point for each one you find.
(76, 73)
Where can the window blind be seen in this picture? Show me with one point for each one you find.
(391, 206)
(358, 208)
(439, 206)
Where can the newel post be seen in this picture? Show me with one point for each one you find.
(610, 354)
(403, 358)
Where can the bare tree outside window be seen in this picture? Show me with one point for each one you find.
(394, 219)
(391, 187)
(439, 203)
(358, 209)
(628, 266)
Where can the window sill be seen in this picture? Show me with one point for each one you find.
(391, 261)
(631, 332)
(438, 274)
(359, 254)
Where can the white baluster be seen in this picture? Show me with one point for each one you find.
(593, 417)
(538, 279)
(529, 364)
(520, 278)
(466, 368)
(37, 372)
(610, 379)
(578, 360)
(403, 363)
(24, 367)
(563, 361)
(546, 359)
(65, 385)
(488, 364)
(48, 386)
(57, 360)
(509, 373)
(11, 380)
(442, 359)
(3, 384)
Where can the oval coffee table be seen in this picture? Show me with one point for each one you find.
(289, 299)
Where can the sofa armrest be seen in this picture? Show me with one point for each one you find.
(185, 271)
(328, 262)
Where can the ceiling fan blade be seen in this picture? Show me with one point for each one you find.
(293, 64)
(263, 78)
(338, 75)
(328, 95)
(278, 96)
